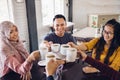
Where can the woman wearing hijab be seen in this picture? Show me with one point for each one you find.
(15, 61)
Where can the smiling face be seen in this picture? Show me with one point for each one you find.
(108, 33)
(59, 26)
(13, 33)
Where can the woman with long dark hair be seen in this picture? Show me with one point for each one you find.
(106, 48)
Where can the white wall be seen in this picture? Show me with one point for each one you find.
(82, 8)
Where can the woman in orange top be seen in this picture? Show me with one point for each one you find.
(106, 48)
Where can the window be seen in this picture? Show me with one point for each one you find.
(51, 8)
(4, 10)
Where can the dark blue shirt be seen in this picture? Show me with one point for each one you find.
(61, 40)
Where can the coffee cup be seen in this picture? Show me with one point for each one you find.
(43, 52)
(49, 56)
(63, 48)
(55, 47)
(71, 54)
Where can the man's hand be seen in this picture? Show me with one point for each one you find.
(52, 66)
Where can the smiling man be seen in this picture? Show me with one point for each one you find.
(59, 35)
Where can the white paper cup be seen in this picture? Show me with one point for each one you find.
(71, 54)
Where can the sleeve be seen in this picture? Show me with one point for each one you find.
(91, 43)
(102, 67)
(50, 78)
(47, 37)
(17, 66)
(116, 60)
(73, 39)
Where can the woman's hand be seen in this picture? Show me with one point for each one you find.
(28, 76)
(73, 45)
(83, 54)
(35, 55)
(81, 46)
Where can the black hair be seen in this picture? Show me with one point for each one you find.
(115, 43)
(59, 16)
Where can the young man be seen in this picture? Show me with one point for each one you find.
(59, 35)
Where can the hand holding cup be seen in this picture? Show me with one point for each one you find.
(35, 55)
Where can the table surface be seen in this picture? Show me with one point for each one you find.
(73, 71)
(86, 32)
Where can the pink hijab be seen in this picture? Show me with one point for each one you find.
(10, 48)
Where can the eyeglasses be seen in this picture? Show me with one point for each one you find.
(108, 33)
